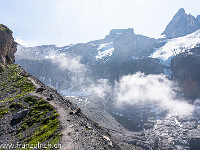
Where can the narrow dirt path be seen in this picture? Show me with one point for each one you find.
(63, 113)
(78, 132)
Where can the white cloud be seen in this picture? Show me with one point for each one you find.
(67, 62)
(145, 89)
(80, 81)
(100, 89)
(27, 43)
(21, 42)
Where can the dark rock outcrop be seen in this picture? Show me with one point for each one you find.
(20, 114)
(8, 46)
(181, 25)
(117, 69)
(18, 117)
(194, 143)
(185, 68)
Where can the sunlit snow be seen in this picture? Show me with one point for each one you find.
(105, 50)
(176, 46)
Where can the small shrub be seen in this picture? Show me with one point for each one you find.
(30, 100)
(15, 106)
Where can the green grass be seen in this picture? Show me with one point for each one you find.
(31, 100)
(41, 124)
(42, 113)
(3, 111)
(4, 28)
(13, 83)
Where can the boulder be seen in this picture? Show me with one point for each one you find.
(50, 98)
(20, 114)
(75, 112)
(40, 89)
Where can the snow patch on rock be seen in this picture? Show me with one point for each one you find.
(105, 50)
(176, 46)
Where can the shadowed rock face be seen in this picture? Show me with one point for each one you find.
(130, 44)
(181, 25)
(185, 68)
(198, 17)
(8, 46)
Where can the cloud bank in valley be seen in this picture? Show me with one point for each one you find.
(131, 89)
(147, 89)
(80, 81)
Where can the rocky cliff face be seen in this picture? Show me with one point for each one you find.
(181, 25)
(130, 44)
(130, 55)
(185, 68)
(8, 46)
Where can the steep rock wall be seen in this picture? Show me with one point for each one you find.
(8, 46)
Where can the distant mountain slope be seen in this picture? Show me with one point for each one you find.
(119, 47)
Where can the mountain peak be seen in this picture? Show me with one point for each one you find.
(181, 25)
(114, 33)
(181, 11)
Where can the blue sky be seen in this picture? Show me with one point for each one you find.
(63, 22)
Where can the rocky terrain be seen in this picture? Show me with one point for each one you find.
(188, 74)
(25, 118)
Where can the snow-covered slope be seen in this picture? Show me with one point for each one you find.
(105, 50)
(176, 46)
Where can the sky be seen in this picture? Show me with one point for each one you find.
(64, 22)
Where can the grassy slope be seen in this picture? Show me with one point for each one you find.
(41, 123)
